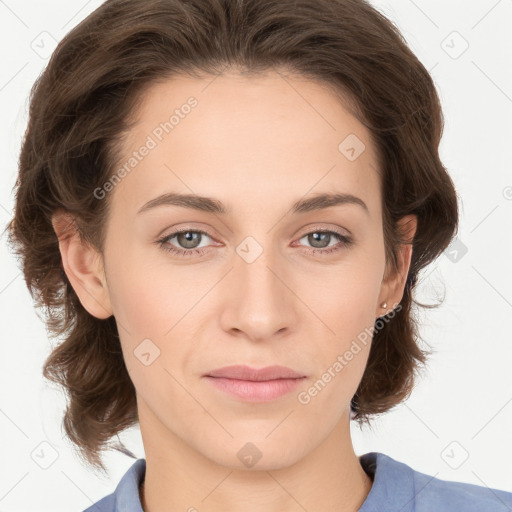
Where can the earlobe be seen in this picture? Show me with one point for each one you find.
(392, 289)
(83, 266)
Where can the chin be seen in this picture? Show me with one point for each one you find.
(255, 453)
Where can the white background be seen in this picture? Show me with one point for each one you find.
(462, 407)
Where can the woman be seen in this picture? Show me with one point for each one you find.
(224, 206)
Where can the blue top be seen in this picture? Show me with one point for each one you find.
(396, 487)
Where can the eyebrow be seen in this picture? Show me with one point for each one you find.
(211, 205)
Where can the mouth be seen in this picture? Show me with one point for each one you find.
(255, 385)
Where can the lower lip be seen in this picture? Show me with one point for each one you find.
(256, 391)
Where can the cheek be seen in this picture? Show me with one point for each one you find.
(141, 291)
(346, 295)
(147, 313)
(345, 299)
(348, 309)
(153, 308)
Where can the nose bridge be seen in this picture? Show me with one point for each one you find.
(261, 303)
(256, 267)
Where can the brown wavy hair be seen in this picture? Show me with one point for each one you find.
(81, 106)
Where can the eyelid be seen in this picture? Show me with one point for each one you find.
(322, 227)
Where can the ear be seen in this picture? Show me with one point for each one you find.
(83, 265)
(392, 289)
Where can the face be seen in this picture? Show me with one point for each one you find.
(259, 284)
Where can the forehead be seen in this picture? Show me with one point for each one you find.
(233, 136)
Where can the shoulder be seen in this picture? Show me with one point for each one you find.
(397, 484)
(125, 497)
(447, 495)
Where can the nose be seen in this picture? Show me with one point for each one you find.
(259, 301)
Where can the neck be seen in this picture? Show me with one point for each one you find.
(179, 478)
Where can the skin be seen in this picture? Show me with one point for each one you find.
(258, 145)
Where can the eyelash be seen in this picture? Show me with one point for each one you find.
(345, 242)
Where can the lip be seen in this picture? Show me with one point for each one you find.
(244, 372)
(255, 385)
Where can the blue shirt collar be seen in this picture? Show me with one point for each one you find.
(393, 484)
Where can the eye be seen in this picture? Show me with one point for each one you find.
(190, 240)
(321, 238)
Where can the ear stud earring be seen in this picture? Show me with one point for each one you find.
(384, 305)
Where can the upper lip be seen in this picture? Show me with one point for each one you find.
(243, 372)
